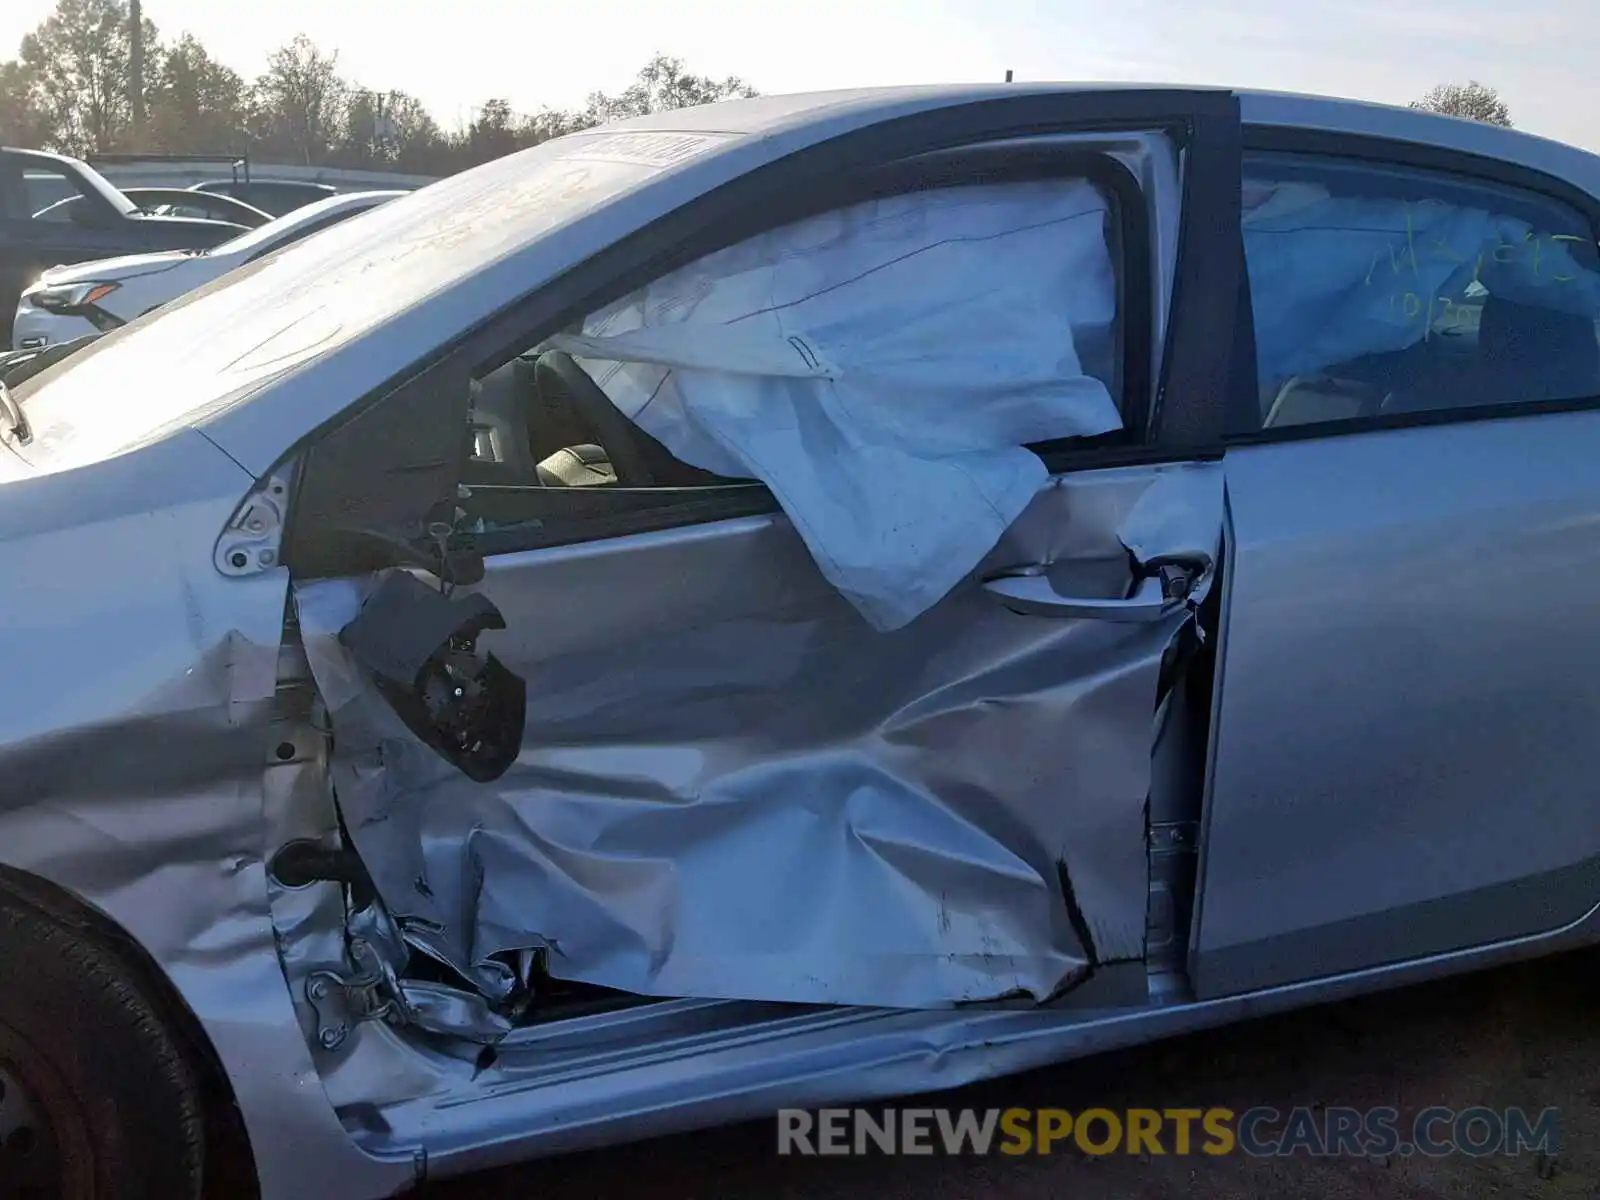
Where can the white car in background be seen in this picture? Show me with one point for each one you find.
(68, 302)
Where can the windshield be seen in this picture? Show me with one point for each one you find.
(213, 346)
(83, 178)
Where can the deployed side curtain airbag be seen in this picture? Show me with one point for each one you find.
(1334, 278)
(881, 369)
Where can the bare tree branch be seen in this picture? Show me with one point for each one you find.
(1475, 101)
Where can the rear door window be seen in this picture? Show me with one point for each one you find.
(1382, 290)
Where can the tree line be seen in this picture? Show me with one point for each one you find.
(71, 88)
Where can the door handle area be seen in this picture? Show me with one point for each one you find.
(1032, 595)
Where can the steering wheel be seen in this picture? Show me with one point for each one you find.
(560, 378)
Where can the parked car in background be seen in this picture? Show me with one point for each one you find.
(169, 202)
(70, 301)
(185, 202)
(37, 233)
(786, 603)
(276, 196)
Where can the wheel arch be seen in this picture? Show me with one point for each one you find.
(230, 1157)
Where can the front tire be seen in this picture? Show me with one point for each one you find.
(98, 1100)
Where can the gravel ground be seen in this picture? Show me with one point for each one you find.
(1524, 1036)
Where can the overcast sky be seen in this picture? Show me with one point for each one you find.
(1540, 54)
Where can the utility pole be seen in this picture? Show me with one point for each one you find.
(136, 71)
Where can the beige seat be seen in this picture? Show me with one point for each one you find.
(577, 466)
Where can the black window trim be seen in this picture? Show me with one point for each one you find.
(571, 515)
(346, 512)
(1243, 426)
(305, 231)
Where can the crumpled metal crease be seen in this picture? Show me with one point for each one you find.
(731, 786)
(132, 755)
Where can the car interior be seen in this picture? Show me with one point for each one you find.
(1516, 353)
(540, 421)
(1479, 350)
(16, 203)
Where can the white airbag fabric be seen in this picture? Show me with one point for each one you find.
(880, 369)
(1336, 278)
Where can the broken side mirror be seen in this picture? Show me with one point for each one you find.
(420, 646)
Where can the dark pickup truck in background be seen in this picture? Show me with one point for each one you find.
(36, 232)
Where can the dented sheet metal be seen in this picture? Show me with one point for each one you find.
(731, 786)
(132, 749)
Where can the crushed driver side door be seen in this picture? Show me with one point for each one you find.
(685, 737)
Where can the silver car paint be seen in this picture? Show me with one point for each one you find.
(1411, 677)
(466, 868)
(1279, 110)
(126, 565)
(767, 129)
(584, 1083)
(133, 760)
(707, 718)
(68, 450)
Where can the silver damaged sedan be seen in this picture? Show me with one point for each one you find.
(807, 599)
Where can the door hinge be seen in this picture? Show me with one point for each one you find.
(343, 1001)
(252, 542)
(1172, 851)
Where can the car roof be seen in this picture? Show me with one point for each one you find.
(267, 181)
(43, 157)
(447, 257)
(767, 115)
(368, 198)
(1576, 166)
